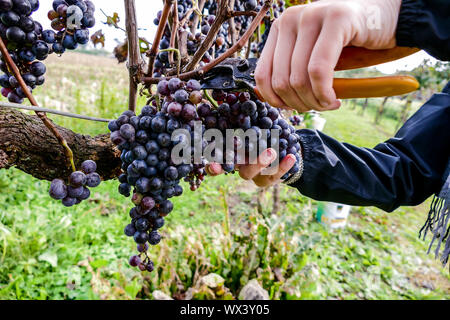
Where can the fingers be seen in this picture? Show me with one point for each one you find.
(324, 58)
(299, 78)
(268, 180)
(281, 65)
(248, 172)
(258, 172)
(214, 169)
(263, 72)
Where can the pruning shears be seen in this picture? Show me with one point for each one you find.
(237, 74)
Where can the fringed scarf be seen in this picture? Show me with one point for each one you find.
(438, 222)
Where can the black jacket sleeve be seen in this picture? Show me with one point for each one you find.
(425, 24)
(404, 170)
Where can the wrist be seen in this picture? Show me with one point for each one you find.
(377, 24)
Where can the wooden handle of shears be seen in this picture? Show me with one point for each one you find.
(374, 87)
(355, 57)
(347, 88)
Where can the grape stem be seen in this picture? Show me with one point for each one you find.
(232, 14)
(200, 5)
(210, 99)
(178, 57)
(232, 28)
(13, 67)
(46, 110)
(158, 36)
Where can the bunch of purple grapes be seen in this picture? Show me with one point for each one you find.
(149, 172)
(77, 188)
(80, 14)
(239, 110)
(20, 33)
(28, 43)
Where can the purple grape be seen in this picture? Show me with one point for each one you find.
(163, 88)
(174, 109)
(125, 189)
(142, 225)
(204, 110)
(75, 192)
(150, 267)
(127, 131)
(77, 179)
(219, 95)
(171, 173)
(93, 180)
(193, 85)
(181, 96)
(154, 238)
(135, 261)
(58, 189)
(166, 207)
(189, 112)
(117, 139)
(158, 223)
(69, 202)
(147, 203)
(142, 247)
(88, 166)
(175, 84)
(85, 195)
(140, 237)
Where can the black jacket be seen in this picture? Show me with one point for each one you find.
(406, 169)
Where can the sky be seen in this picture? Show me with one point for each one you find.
(146, 12)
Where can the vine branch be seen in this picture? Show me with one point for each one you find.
(174, 33)
(158, 36)
(133, 52)
(232, 14)
(199, 72)
(221, 17)
(26, 144)
(232, 28)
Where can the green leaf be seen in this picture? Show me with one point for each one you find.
(133, 288)
(99, 263)
(49, 257)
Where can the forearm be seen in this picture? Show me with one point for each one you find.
(404, 170)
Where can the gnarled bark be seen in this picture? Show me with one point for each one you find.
(27, 144)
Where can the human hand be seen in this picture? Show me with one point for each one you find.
(259, 172)
(304, 45)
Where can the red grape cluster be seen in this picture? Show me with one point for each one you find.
(77, 188)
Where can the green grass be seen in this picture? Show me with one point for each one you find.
(51, 252)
